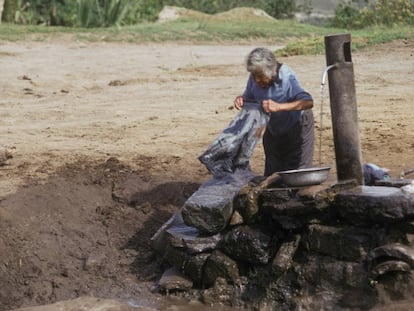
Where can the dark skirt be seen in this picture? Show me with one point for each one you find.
(293, 150)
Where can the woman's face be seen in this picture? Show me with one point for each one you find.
(261, 79)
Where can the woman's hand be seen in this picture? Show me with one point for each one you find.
(269, 106)
(238, 102)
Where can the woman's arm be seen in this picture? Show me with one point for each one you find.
(272, 106)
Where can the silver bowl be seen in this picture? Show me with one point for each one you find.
(305, 177)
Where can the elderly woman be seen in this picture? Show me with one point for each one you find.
(289, 137)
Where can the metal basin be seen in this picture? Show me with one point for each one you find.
(305, 177)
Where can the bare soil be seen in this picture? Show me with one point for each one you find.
(106, 138)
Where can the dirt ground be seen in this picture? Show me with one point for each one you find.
(106, 139)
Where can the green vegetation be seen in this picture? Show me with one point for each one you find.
(105, 13)
(378, 12)
(360, 39)
(239, 25)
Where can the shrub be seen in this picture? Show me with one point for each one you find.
(85, 12)
(376, 12)
(98, 13)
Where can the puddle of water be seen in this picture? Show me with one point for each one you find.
(171, 304)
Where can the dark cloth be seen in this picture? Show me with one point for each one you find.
(292, 149)
(233, 148)
(373, 173)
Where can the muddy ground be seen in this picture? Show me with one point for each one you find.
(106, 138)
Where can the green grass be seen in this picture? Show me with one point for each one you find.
(297, 38)
(360, 39)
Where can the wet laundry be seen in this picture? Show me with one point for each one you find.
(234, 146)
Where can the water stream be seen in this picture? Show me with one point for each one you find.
(174, 304)
(321, 125)
(322, 96)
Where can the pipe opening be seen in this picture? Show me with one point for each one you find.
(347, 52)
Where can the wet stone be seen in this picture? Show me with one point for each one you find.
(394, 182)
(313, 192)
(290, 208)
(292, 214)
(246, 244)
(219, 265)
(194, 267)
(290, 223)
(321, 196)
(343, 243)
(389, 266)
(287, 202)
(190, 265)
(391, 251)
(181, 230)
(366, 205)
(407, 227)
(172, 279)
(336, 266)
(246, 202)
(236, 219)
(284, 256)
(190, 242)
(409, 189)
(211, 206)
(334, 275)
(222, 293)
(175, 257)
(159, 241)
(276, 195)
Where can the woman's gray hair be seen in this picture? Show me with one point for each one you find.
(261, 60)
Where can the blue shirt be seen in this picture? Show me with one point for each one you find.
(287, 89)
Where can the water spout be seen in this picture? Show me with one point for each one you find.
(325, 72)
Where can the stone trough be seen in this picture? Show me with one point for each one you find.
(334, 246)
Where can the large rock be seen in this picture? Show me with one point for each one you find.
(367, 205)
(333, 275)
(246, 244)
(159, 241)
(398, 251)
(191, 243)
(219, 265)
(342, 243)
(281, 205)
(209, 209)
(190, 265)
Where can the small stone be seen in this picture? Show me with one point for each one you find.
(236, 219)
(172, 279)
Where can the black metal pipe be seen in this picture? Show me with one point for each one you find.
(344, 108)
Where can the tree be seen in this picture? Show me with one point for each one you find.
(10, 8)
(1, 9)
